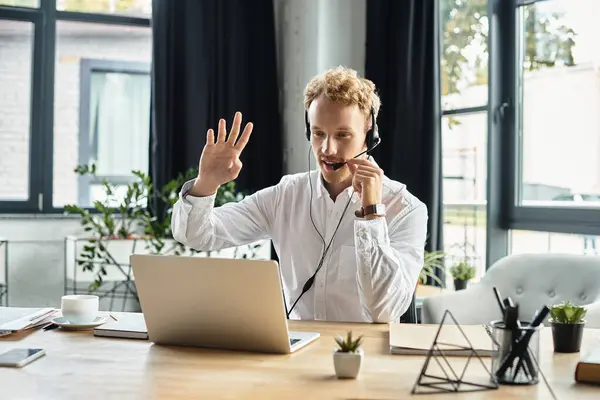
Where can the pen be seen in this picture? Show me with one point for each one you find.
(113, 317)
(537, 320)
(499, 300)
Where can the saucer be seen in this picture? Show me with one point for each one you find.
(63, 323)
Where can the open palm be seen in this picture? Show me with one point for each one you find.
(220, 160)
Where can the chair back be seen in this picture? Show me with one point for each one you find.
(534, 280)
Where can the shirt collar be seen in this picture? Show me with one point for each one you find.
(322, 191)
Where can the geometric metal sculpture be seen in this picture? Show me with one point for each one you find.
(449, 381)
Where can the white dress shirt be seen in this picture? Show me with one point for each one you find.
(371, 269)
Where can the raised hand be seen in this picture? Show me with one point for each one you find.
(220, 160)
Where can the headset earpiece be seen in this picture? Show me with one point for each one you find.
(372, 138)
(307, 125)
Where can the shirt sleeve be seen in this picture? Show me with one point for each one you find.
(389, 261)
(196, 223)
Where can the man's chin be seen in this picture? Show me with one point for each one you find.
(337, 176)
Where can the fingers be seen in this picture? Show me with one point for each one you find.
(365, 168)
(352, 167)
(222, 131)
(364, 164)
(365, 176)
(245, 137)
(235, 129)
(210, 137)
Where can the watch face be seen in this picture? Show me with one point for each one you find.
(379, 209)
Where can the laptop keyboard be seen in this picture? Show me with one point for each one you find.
(293, 341)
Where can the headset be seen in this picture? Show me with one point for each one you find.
(372, 140)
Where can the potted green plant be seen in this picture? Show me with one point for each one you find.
(462, 272)
(432, 262)
(142, 214)
(347, 358)
(567, 326)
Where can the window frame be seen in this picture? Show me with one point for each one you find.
(41, 147)
(508, 134)
(87, 67)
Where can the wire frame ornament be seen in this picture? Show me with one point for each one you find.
(450, 381)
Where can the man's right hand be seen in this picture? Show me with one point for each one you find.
(220, 160)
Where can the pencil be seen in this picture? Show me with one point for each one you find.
(113, 317)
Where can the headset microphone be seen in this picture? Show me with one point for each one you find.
(337, 166)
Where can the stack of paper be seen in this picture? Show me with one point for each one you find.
(34, 318)
(414, 339)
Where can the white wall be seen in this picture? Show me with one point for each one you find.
(312, 36)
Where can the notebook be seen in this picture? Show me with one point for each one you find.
(417, 339)
(588, 368)
(129, 326)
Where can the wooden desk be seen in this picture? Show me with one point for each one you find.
(81, 366)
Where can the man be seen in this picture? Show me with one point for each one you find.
(366, 266)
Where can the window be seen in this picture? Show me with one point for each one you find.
(544, 139)
(60, 63)
(16, 55)
(552, 242)
(141, 8)
(464, 61)
(464, 78)
(101, 105)
(20, 3)
(559, 103)
(114, 125)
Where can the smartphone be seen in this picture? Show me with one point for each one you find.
(20, 357)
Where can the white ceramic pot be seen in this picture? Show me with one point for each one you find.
(347, 365)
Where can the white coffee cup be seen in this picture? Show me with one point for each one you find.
(80, 308)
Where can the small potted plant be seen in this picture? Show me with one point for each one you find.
(567, 326)
(462, 272)
(347, 358)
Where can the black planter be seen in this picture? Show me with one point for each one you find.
(567, 337)
(460, 284)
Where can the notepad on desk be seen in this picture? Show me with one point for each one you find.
(129, 326)
(416, 339)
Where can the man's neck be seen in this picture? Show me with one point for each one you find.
(334, 189)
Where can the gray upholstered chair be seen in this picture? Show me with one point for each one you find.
(531, 280)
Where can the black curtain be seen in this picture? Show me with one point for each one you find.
(402, 59)
(403, 62)
(211, 59)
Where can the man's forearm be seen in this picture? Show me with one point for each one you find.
(387, 269)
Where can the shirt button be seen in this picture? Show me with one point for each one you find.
(551, 293)
(519, 290)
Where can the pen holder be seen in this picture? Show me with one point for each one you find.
(514, 363)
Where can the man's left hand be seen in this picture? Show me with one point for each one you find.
(366, 181)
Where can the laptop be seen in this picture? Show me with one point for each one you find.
(232, 304)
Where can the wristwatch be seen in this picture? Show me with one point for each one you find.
(373, 209)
